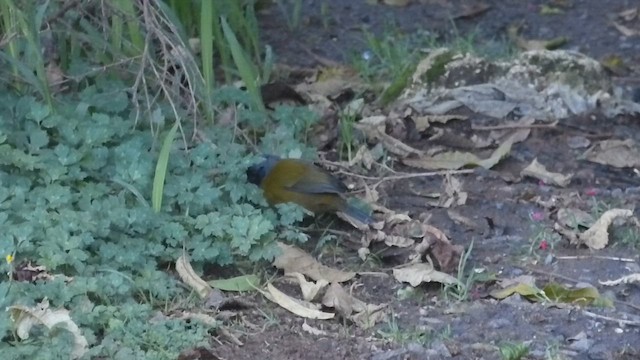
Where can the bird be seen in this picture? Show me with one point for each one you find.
(301, 182)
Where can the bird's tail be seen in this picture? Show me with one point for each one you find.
(358, 214)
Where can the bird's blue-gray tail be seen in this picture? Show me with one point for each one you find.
(358, 214)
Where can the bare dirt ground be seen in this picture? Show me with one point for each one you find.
(427, 325)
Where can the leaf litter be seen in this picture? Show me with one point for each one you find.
(506, 95)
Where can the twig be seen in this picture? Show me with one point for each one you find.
(619, 321)
(515, 126)
(579, 257)
(408, 176)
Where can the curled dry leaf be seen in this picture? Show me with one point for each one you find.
(617, 153)
(189, 277)
(434, 62)
(445, 254)
(633, 278)
(456, 160)
(293, 259)
(313, 330)
(538, 171)
(527, 44)
(363, 314)
(25, 318)
(416, 274)
(597, 236)
(309, 289)
(29, 272)
(574, 217)
(301, 308)
(424, 122)
(373, 128)
(452, 192)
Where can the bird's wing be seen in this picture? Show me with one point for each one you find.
(317, 181)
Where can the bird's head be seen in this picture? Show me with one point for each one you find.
(257, 172)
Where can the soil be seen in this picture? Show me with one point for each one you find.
(436, 327)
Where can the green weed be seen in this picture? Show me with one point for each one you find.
(513, 351)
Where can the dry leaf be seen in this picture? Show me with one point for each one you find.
(337, 298)
(189, 277)
(453, 193)
(312, 330)
(617, 153)
(309, 289)
(472, 10)
(25, 318)
(416, 274)
(373, 128)
(538, 171)
(301, 308)
(527, 44)
(456, 160)
(293, 259)
(573, 218)
(437, 58)
(597, 236)
(628, 32)
(633, 278)
(424, 122)
(398, 3)
(363, 314)
(630, 14)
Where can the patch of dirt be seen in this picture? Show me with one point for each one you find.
(429, 326)
(333, 29)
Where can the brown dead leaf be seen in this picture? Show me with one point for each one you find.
(363, 314)
(574, 218)
(597, 236)
(416, 274)
(472, 10)
(432, 63)
(294, 259)
(630, 14)
(423, 122)
(373, 128)
(26, 271)
(313, 330)
(309, 289)
(513, 32)
(301, 308)
(335, 297)
(453, 195)
(189, 277)
(617, 153)
(456, 160)
(446, 255)
(625, 31)
(628, 279)
(26, 318)
(538, 171)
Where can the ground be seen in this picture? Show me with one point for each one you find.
(427, 325)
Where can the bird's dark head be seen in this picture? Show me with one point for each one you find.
(257, 172)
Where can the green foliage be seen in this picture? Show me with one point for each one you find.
(514, 351)
(75, 191)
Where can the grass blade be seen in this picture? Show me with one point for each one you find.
(161, 169)
(247, 71)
